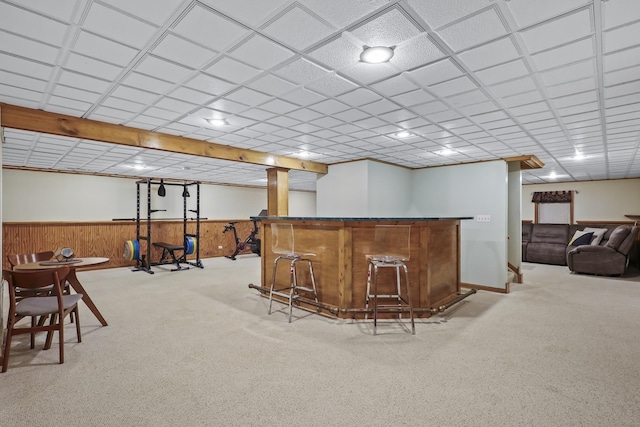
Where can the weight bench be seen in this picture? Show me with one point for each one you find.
(168, 250)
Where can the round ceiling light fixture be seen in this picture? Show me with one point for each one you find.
(376, 54)
(216, 122)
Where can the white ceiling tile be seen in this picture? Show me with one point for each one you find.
(26, 48)
(527, 13)
(620, 38)
(573, 72)
(301, 71)
(490, 54)
(183, 52)
(261, 52)
(379, 107)
(152, 10)
(368, 73)
(162, 69)
(435, 73)
(341, 13)
(250, 12)
(388, 29)
(416, 52)
(438, 13)
(394, 86)
(429, 108)
(227, 106)
(134, 94)
(82, 82)
(479, 108)
(474, 30)
(622, 59)
(553, 33)
(210, 29)
(122, 104)
(232, 70)
(302, 96)
(467, 98)
(513, 87)
(572, 87)
(619, 12)
(329, 107)
(413, 98)
(503, 72)
(279, 106)
(272, 85)
(118, 26)
(25, 67)
(24, 82)
(338, 53)
(331, 85)
(248, 97)
(621, 76)
(73, 93)
(580, 98)
(147, 83)
(454, 86)
(209, 85)
(92, 67)
(103, 49)
(20, 21)
(297, 28)
(565, 54)
(358, 97)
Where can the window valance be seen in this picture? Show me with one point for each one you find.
(552, 197)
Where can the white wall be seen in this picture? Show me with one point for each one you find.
(514, 220)
(470, 190)
(596, 200)
(387, 190)
(46, 196)
(343, 191)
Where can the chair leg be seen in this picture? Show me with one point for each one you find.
(406, 281)
(47, 344)
(7, 347)
(61, 338)
(293, 283)
(273, 281)
(77, 318)
(33, 334)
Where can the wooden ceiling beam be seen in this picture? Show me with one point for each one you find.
(28, 119)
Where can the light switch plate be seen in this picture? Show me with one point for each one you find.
(483, 218)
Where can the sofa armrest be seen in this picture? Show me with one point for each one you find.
(593, 249)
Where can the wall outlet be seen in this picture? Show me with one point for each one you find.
(483, 218)
(219, 247)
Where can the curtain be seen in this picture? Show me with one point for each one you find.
(552, 197)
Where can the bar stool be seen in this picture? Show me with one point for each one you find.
(282, 243)
(391, 249)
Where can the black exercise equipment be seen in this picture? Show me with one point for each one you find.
(251, 242)
(190, 246)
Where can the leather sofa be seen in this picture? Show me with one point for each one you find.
(549, 244)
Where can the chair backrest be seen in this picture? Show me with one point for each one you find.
(392, 242)
(282, 238)
(35, 279)
(27, 258)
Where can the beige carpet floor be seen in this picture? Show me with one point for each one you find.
(197, 348)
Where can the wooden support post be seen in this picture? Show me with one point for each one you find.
(277, 192)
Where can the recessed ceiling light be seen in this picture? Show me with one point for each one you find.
(403, 134)
(139, 167)
(445, 152)
(376, 54)
(216, 122)
(578, 156)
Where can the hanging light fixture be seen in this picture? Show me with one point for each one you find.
(161, 190)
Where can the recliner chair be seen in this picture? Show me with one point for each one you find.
(611, 259)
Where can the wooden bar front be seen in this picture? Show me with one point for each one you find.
(340, 264)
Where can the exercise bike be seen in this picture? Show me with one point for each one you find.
(251, 242)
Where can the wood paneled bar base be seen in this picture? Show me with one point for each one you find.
(341, 246)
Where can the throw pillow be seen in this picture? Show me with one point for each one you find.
(619, 234)
(581, 238)
(598, 234)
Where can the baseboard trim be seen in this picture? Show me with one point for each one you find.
(506, 290)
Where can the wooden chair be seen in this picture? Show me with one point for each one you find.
(27, 258)
(54, 304)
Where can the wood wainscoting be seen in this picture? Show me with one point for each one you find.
(107, 238)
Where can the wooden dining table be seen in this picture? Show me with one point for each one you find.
(72, 278)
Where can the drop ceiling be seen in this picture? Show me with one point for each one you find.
(470, 80)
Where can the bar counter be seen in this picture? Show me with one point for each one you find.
(340, 265)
